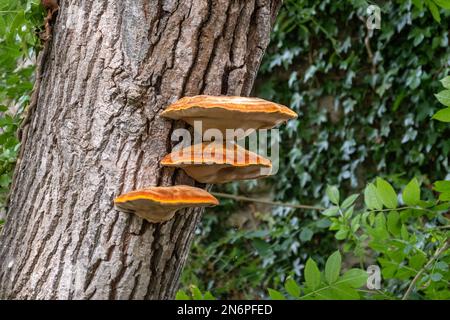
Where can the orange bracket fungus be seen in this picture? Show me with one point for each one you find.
(159, 204)
(218, 163)
(229, 112)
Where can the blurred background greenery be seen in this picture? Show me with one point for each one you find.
(365, 101)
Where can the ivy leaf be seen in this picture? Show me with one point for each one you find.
(333, 267)
(371, 198)
(333, 194)
(386, 194)
(442, 115)
(292, 287)
(312, 274)
(411, 193)
(444, 97)
(275, 295)
(306, 234)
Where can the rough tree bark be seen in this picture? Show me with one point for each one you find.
(113, 66)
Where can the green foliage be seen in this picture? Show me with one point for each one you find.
(242, 262)
(18, 45)
(327, 285)
(403, 237)
(444, 98)
(194, 294)
(363, 97)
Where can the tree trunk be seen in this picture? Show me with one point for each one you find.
(113, 66)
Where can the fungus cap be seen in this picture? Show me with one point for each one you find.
(159, 204)
(229, 112)
(211, 162)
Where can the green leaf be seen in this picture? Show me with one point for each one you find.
(275, 295)
(292, 287)
(349, 201)
(411, 193)
(261, 246)
(417, 261)
(306, 234)
(442, 186)
(333, 194)
(444, 97)
(333, 267)
(371, 198)
(393, 223)
(354, 225)
(386, 193)
(404, 233)
(323, 223)
(341, 234)
(355, 278)
(181, 295)
(312, 274)
(196, 293)
(434, 11)
(330, 212)
(418, 4)
(338, 292)
(446, 81)
(436, 277)
(380, 231)
(445, 196)
(441, 265)
(442, 115)
(208, 296)
(443, 3)
(349, 212)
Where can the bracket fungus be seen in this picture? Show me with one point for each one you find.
(159, 204)
(213, 162)
(229, 112)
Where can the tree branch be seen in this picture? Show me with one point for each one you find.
(272, 203)
(416, 278)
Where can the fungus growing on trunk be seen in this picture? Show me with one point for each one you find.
(213, 162)
(159, 204)
(229, 112)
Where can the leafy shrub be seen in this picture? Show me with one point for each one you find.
(327, 285)
(18, 47)
(408, 239)
(194, 294)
